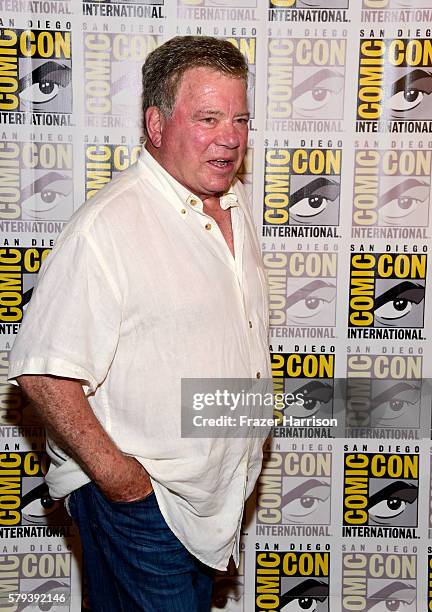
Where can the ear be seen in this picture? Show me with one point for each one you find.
(154, 124)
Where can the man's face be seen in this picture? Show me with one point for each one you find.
(204, 141)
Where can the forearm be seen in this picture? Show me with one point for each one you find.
(70, 421)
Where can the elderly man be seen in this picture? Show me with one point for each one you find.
(158, 278)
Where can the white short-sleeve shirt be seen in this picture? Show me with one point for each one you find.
(140, 291)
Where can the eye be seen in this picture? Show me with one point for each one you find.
(309, 207)
(43, 84)
(307, 503)
(394, 309)
(302, 604)
(388, 508)
(405, 100)
(407, 203)
(317, 95)
(310, 306)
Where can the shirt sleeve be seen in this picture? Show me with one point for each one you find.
(71, 326)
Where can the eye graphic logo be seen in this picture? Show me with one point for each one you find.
(294, 489)
(391, 188)
(306, 78)
(384, 391)
(44, 577)
(375, 581)
(228, 588)
(112, 76)
(20, 266)
(387, 290)
(380, 490)
(395, 81)
(302, 288)
(26, 501)
(289, 581)
(302, 186)
(37, 181)
(305, 381)
(104, 162)
(38, 68)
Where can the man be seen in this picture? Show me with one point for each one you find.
(157, 279)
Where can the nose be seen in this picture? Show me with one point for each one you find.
(228, 135)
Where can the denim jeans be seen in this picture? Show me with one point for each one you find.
(133, 561)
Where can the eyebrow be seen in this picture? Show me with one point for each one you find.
(318, 390)
(60, 71)
(415, 77)
(404, 490)
(400, 189)
(314, 80)
(301, 489)
(305, 291)
(416, 293)
(40, 183)
(310, 188)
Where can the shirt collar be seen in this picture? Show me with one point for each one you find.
(227, 200)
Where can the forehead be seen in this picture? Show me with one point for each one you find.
(203, 84)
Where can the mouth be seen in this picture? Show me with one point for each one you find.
(221, 163)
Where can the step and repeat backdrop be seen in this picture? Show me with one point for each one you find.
(339, 172)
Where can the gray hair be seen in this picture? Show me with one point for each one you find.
(166, 65)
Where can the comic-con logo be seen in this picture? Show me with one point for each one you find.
(15, 408)
(245, 171)
(384, 391)
(103, 162)
(392, 4)
(18, 269)
(112, 76)
(219, 3)
(247, 47)
(394, 85)
(228, 588)
(306, 78)
(124, 8)
(302, 288)
(36, 181)
(32, 579)
(302, 186)
(308, 4)
(24, 497)
(387, 290)
(430, 582)
(379, 581)
(294, 580)
(380, 489)
(35, 76)
(303, 384)
(391, 188)
(294, 489)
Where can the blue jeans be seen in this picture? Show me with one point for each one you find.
(133, 561)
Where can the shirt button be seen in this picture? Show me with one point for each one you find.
(193, 202)
(183, 211)
(258, 375)
(250, 324)
(208, 226)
